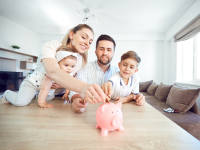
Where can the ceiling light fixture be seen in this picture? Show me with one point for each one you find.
(87, 15)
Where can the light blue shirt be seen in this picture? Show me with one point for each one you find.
(93, 74)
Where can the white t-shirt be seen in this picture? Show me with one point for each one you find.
(120, 89)
(48, 50)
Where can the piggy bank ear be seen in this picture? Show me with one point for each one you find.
(103, 108)
(119, 105)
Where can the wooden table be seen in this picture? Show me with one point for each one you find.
(31, 127)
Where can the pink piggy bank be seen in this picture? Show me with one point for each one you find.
(109, 118)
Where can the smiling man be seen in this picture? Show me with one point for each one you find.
(97, 72)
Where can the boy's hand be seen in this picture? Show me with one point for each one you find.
(107, 88)
(45, 105)
(140, 99)
(65, 96)
(119, 99)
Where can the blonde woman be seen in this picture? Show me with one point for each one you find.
(79, 40)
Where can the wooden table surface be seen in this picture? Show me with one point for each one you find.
(31, 127)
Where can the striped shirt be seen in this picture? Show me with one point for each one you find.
(93, 74)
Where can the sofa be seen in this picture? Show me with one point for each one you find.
(173, 96)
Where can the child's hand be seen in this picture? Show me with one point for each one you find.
(140, 99)
(45, 105)
(119, 99)
(107, 88)
(65, 96)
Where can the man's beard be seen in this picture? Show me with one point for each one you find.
(105, 63)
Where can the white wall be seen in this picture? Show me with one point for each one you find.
(170, 58)
(170, 49)
(188, 16)
(15, 34)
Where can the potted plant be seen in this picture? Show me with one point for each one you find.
(15, 47)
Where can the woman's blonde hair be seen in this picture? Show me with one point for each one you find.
(66, 40)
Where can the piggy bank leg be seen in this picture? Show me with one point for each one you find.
(121, 128)
(104, 132)
(97, 126)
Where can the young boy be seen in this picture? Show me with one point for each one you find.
(125, 83)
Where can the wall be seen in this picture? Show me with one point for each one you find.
(170, 50)
(15, 34)
(188, 16)
(169, 55)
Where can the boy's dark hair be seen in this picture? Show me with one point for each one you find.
(132, 55)
(107, 38)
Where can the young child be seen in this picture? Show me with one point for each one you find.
(125, 83)
(39, 81)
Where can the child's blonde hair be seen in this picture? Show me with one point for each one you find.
(66, 40)
(132, 55)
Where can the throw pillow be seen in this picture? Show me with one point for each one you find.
(162, 92)
(144, 85)
(182, 98)
(152, 89)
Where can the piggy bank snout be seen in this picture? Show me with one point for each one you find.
(116, 121)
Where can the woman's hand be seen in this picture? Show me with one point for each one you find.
(45, 105)
(92, 93)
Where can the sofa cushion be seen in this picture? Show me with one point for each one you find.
(182, 98)
(162, 92)
(144, 85)
(152, 89)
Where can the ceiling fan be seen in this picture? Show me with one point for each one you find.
(87, 15)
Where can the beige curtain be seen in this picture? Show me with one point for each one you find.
(189, 31)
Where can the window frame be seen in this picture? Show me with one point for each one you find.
(181, 59)
(195, 79)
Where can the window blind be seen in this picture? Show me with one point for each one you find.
(189, 31)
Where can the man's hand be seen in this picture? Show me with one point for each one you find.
(107, 88)
(140, 99)
(55, 86)
(119, 99)
(78, 105)
(65, 96)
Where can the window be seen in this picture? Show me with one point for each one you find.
(188, 60)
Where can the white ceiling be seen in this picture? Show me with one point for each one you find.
(115, 16)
